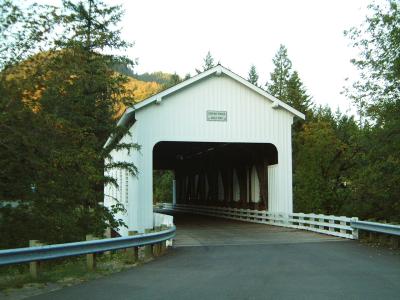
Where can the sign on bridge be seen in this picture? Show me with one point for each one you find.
(216, 115)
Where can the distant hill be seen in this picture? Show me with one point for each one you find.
(146, 84)
(142, 86)
(159, 77)
(122, 69)
(142, 89)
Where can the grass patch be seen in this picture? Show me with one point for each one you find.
(380, 240)
(66, 271)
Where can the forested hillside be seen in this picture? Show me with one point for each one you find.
(159, 77)
(146, 84)
(138, 90)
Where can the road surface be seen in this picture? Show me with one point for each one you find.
(222, 259)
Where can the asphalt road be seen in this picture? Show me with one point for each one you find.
(219, 259)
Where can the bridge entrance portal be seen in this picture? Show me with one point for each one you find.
(218, 174)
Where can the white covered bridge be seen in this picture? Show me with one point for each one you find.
(227, 141)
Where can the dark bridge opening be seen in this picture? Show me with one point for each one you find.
(218, 174)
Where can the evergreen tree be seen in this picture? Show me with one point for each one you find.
(288, 87)
(377, 94)
(162, 186)
(208, 63)
(324, 163)
(297, 96)
(379, 72)
(281, 74)
(23, 32)
(174, 79)
(71, 95)
(253, 76)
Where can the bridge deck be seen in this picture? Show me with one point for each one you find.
(196, 230)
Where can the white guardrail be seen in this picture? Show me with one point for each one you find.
(331, 225)
(163, 220)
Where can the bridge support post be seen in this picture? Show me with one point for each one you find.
(132, 253)
(174, 192)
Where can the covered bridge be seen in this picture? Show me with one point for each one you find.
(227, 141)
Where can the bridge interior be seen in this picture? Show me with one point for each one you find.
(218, 174)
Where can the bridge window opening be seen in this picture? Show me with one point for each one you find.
(162, 185)
(213, 174)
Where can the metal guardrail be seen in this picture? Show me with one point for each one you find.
(377, 227)
(39, 253)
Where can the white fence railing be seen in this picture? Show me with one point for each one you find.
(163, 220)
(332, 225)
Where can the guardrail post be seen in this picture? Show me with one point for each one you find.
(34, 265)
(383, 239)
(264, 216)
(287, 218)
(301, 221)
(157, 247)
(311, 223)
(371, 237)
(90, 258)
(331, 224)
(148, 249)
(166, 243)
(163, 247)
(107, 235)
(321, 221)
(355, 230)
(343, 223)
(132, 253)
(395, 241)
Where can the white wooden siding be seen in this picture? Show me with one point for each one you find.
(181, 116)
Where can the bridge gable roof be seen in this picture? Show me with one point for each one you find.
(218, 70)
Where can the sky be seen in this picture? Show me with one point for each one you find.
(175, 35)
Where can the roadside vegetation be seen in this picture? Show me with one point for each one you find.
(59, 100)
(62, 89)
(63, 272)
